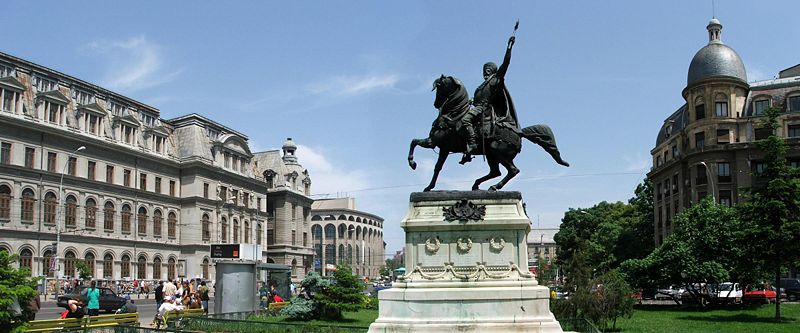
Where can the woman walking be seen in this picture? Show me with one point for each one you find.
(93, 299)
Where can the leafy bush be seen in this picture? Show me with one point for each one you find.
(16, 288)
(300, 309)
(341, 296)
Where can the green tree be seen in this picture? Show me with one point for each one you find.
(704, 248)
(772, 210)
(16, 287)
(390, 266)
(343, 295)
(305, 307)
(609, 298)
(83, 269)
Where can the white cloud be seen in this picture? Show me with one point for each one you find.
(328, 177)
(349, 85)
(133, 64)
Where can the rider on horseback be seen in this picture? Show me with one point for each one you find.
(491, 99)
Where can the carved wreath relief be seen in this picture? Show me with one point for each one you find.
(464, 244)
(464, 210)
(432, 245)
(496, 244)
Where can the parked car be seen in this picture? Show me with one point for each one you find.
(109, 301)
(791, 287)
(672, 292)
(729, 293)
(759, 294)
(706, 292)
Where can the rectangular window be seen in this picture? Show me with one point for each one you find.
(794, 103)
(258, 203)
(6, 70)
(658, 191)
(305, 239)
(700, 111)
(666, 188)
(172, 188)
(116, 108)
(759, 168)
(270, 236)
(762, 133)
(72, 166)
(5, 153)
(159, 145)
(722, 109)
(44, 84)
(235, 197)
(51, 161)
(674, 151)
(294, 237)
(227, 160)
(223, 193)
(94, 124)
(723, 136)
(110, 174)
(126, 178)
(82, 97)
(674, 184)
(10, 100)
(725, 198)
(30, 154)
(760, 106)
(143, 181)
(158, 185)
(700, 140)
(724, 172)
(794, 131)
(205, 190)
(701, 176)
(53, 112)
(90, 170)
(241, 164)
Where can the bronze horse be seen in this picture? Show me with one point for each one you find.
(452, 100)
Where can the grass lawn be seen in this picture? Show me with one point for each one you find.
(669, 318)
(360, 318)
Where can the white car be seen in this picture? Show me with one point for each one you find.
(672, 292)
(730, 293)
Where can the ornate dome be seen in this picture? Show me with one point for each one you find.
(716, 60)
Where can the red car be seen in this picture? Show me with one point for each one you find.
(760, 295)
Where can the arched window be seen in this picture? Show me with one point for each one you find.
(330, 232)
(69, 264)
(358, 233)
(171, 268)
(206, 225)
(5, 202)
(294, 267)
(259, 233)
(224, 231)
(125, 267)
(141, 268)
(699, 108)
(316, 232)
(350, 231)
(172, 224)
(341, 254)
(26, 259)
(91, 213)
(70, 211)
(157, 223)
(341, 229)
(358, 255)
(235, 231)
(349, 254)
(108, 216)
(126, 219)
(205, 269)
(108, 266)
(157, 268)
(50, 207)
(89, 260)
(246, 232)
(141, 218)
(47, 263)
(330, 254)
(28, 201)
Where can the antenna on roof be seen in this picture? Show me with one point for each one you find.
(713, 10)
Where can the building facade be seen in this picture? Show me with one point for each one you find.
(343, 234)
(142, 197)
(707, 147)
(542, 246)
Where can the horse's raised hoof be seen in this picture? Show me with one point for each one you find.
(413, 165)
(475, 188)
(493, 188)
(427, 189)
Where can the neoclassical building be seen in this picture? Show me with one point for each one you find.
(143, 197)
(343, 234)
(707, 147)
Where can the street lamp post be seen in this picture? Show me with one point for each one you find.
(58, 218)
(710, 179)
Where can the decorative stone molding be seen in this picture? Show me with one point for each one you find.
(432, 245)
(496, 244)
(464, 210)
(480, 272)
(464, 244)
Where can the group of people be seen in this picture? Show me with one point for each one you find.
(184, 294)
(269, 296)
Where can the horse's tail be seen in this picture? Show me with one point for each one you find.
(543, 136)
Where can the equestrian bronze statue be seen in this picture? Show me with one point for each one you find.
(486, 126)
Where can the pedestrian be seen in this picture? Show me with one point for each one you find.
(93, 299)
(203, 290)
(159, 293)
(34, 306)
(293, 288)
(169, 288)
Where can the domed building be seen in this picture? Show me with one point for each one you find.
(706, 147)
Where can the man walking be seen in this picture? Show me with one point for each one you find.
(159, 293)
(169, 288)
(203, 290)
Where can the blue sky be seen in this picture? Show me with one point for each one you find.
(350, 80)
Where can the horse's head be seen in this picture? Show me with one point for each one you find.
(444, 86)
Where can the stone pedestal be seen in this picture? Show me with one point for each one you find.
(466, 268)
